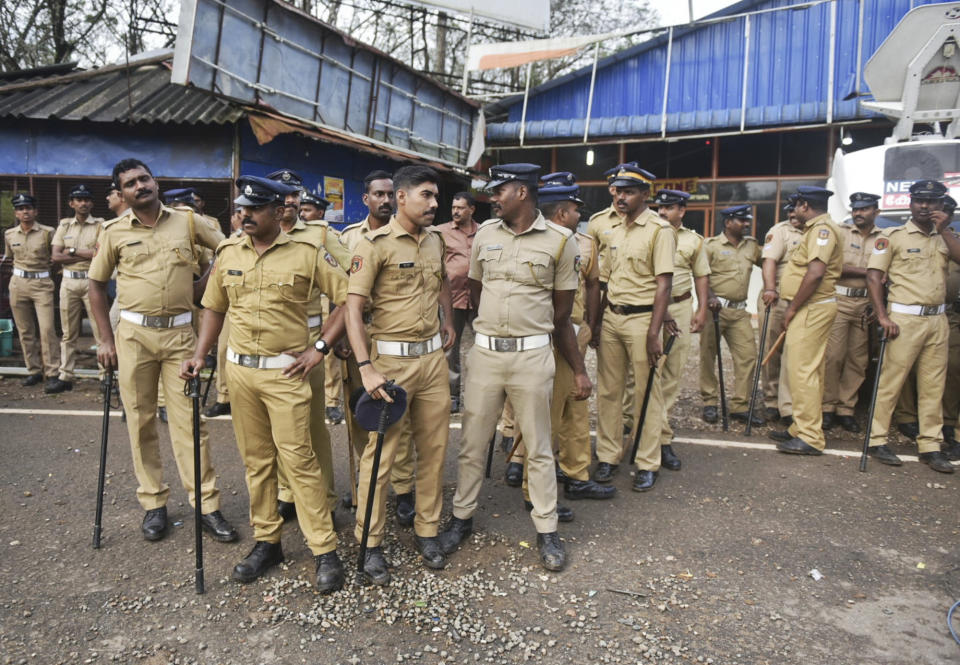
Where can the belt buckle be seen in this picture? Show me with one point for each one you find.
(617, 309)
(251, 362)
(504, 344)
(416, 348)
(155, 321)
(929, 310)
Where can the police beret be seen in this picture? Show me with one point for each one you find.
(527, 174)
(814, 194)
(81, 192)
(631, 175)
(287, 177)
(23, 200)
(863, 200)
(367, 409)
(740, 212)
(669, 197)
(256, 191)
(928, 189)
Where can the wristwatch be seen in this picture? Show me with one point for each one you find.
(322, 346)
(72, 251)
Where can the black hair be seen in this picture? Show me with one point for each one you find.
(408, 177)
(549, 209)
(466, 196)
(375, 175)
(817, 205)
(128, 165)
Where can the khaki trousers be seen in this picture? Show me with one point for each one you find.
(319, 437)
(848, 353)
(922, 344)
(629, 392)
(26, 297)
(426, 380)
(951, 393)
(735, 327)
(146, 356)
(671, 370)
(776, 392)
(73, 304)
(271, 420)
(332, 380)
(805, 352)
(223, 391)
(526, 377)
(623, 344)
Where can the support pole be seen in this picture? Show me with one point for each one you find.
(593, 80)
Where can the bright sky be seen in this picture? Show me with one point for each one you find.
(677, 11)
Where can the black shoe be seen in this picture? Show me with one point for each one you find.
(217, 409)
(797, 446)
(334, 415)
(627, 429)
(849, 423)
(771, 414)
(329, 572)
(405, 509)
(154, 526)
(588, 489)
(780, 435)
(741, 416)
(829, 421)
(262, 557)
(454, 405)
(431, 552)
(375, 567)
(564, 513)
(669, 459)
(909, 430)
(162, 414)
(949, 433)
(506, 443)
(710, 414)
(937, 461)
(786, 421)
(514, 475)
(552, 555)
(457, 531)
(951, 448)
(884, 455)
(217, 526)
(644, 480)
(55, 385)
(287, 510)
(32, 380)
(604, 472)
(561, 476)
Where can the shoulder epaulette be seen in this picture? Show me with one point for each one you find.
(489, 222)
(65, 221)
(318, 222)
(350, 227)
(562, 230)
(583, 235)
(306, 239)
(605, 212)
(383, 231)
(226, 242)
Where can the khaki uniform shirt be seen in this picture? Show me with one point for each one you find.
(351, 235)
(155, 265)
(821, 240)
(600, 228)
(779, 244)
(915, 264)
(519, 273)
(400, 274)
(457, 261)
(856, 252)
(589, 268)
(317, 235)
(30, 250)
(266, 296)
(332, 242)
(690, 261)
(82, 235)
(730, 266)
(639, 251)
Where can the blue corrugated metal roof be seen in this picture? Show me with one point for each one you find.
(787, 81)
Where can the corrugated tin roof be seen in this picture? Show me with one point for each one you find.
(141, 93)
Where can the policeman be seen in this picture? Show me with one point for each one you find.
(732, 255)
(778, 246)
(523, 272)
(115, 202)
(222, 406)
(378, 196)
(848, 349)
(808, 286)
(951, 393)
(638, 272)
(316, 233)
(31, 293)
(264, 281)
(154, 250)
(399, 268)
(912, 259)
(691, 272)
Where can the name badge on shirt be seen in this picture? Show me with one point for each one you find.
(726, 252)
(854, 245)
(492, 247)
(407, 264)
(234, 272)
(913, 250)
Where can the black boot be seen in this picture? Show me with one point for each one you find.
(329, 572)
(604, 472)
(457, 531)
(154, 526)
(564, 513)
(514, 475)
(552, 555)
(406, 510)
(262, 557)
(287, 510)
(669, 459)
(217, 526)
(375, 568)
(588, 489)
(431, 552)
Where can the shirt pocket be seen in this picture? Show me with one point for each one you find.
(137, 259)
(233, 282)
(917, 260)
(490, 261)
(402, 278)
(279, 287)
(183, 255)
(535, 267)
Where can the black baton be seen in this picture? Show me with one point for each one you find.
(192, 389)
(873, 403)
(642, 416)
(104, 433)
(372, 488)
(756, 371)
(723, 390)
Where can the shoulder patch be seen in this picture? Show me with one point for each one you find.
(769, 237)
(880, 247)
(356, 264)
(823, 233)
(328, 257)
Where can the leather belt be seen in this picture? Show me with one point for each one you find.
(75, 274)
(510, 344)
(629, 309)
(260, 362)
(315, 321)
(851, 292)
(31, 274)
(157, 321)
(408, 349)
(682, 297)
(918, 310)
(732, 304)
